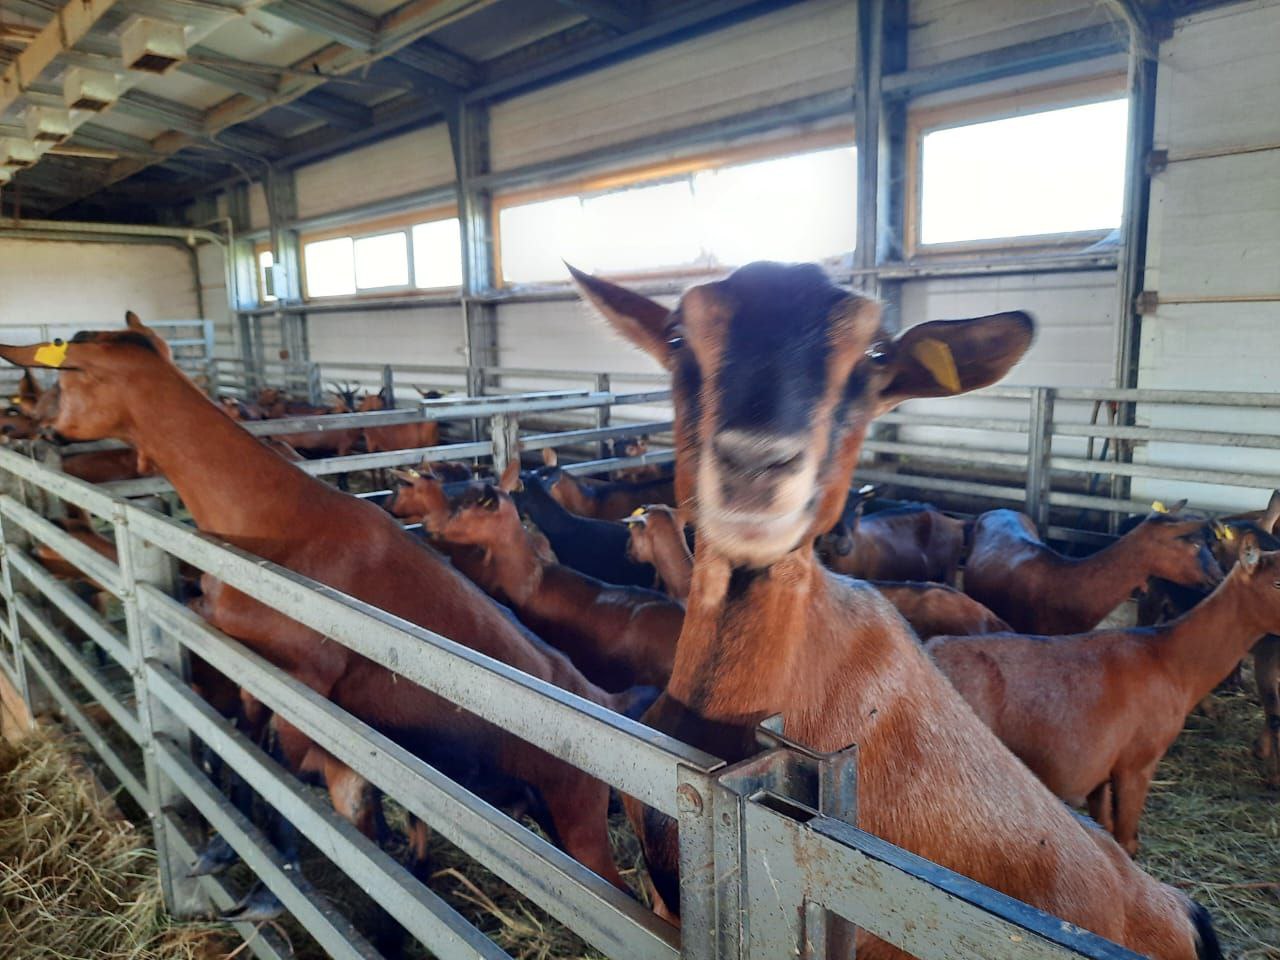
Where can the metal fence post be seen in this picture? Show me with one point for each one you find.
(603, 385)
(11, 609)
(141, 562)
(315, 386)
(1039, 450)
(389, 385)
(504, 430)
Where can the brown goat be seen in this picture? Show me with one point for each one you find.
(1038, 590)
(402, 436)
(935, 608)
(602, 499)
(911, 542)
(107, 466)
(776, 375)
(119, 384)
(1115, 698)
(618, 636)
(657, 538)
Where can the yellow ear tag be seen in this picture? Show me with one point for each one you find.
(15, 399)
(1228, 533)
(51, 354)
(1157, 506)
(638, 512)
(936, 357)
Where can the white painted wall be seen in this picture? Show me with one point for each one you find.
(806, 49)
(423, 335)
(392, 168)
(76, 286)
(1213, 232)
(949, 29)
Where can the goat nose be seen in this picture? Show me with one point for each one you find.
(752, 454)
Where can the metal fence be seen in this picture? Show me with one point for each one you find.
(769, 856)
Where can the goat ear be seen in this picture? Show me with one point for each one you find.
(947, 357)
(134, 323)
(1272, 516)
(639, 319)
(1250, 554)
(510, 478)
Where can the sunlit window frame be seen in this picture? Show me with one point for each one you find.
(1110, 86)
(361, 230)
(259, 281)
(655, 174)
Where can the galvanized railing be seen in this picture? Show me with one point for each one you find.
(765, 871)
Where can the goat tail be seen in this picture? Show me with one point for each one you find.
(1207, 946)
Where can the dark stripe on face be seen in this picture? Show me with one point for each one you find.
(777, 347)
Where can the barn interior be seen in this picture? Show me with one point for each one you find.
(352, 216)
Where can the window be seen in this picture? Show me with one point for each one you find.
(266, 260)
(1051, 172)
(789, 208)
(331, 270)
(382, 261)
(437, 254)
(426, 255)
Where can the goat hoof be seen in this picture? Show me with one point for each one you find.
(259, 905)
(216, 856)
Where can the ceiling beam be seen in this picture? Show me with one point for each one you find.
(337, 111)
(63, 32)
(431, 58)
(616, 14)
(336, 21)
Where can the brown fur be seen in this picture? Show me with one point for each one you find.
(404, 436)
(912, 543)
(604, 499)
(242, 493)
(935, 608)
(768, 630)
(1038, 590)
(618, 636)
(1118, 697)
(657, 538)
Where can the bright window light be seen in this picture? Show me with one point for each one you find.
(437, 254)
(644, 228)
(1057, 171)
(330, 268)
(266, 260)
(538, 237)
(382, 261)
(790, 209)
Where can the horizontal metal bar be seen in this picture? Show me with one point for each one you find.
(621, 463)
(71, 489)
(332, 931)
(538, 441)
(1106, 504)
(89, 730)
(1214, 438)
(945, 484)
(92, 564)
(418, 909)
(57, 644)
(595, 909)
(937, 267)
(909, 418)
(1150, 471)
(632, 757)
(929, 911)
(1205, 398)
(937, 452)
(73, 608)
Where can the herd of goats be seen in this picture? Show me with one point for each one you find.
(964, 658)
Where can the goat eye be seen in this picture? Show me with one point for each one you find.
(1276, 584)
(675, 340)
(877, 352)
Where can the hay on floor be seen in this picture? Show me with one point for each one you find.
(77, 880)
